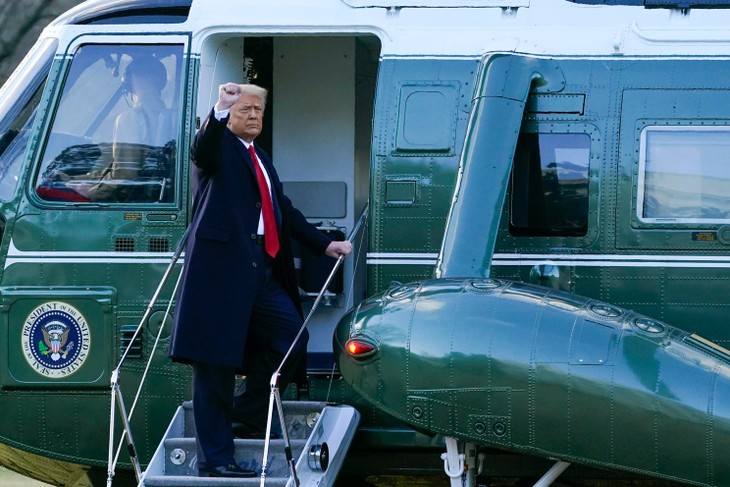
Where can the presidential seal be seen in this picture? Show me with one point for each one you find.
(56, 339)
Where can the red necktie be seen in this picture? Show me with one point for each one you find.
(267, 208)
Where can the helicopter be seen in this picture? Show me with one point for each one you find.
(562, 158)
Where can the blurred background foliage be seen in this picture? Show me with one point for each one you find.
(22, 22)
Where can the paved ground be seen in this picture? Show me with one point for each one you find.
(12, 479)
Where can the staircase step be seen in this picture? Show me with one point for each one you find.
(314, 429)
(299, 416)
(180, 456)
(177, 481)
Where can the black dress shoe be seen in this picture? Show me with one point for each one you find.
(246, 433)
(231, 470)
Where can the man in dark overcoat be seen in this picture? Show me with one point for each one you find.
(239, 292)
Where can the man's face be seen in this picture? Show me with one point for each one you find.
(246, 117)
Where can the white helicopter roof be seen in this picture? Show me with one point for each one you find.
(431, 27)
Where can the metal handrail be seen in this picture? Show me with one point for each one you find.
(116, 394)
(275, 397)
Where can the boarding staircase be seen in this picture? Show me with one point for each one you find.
(313, 445)
(319, 435)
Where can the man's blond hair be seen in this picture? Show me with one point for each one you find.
(255, 90)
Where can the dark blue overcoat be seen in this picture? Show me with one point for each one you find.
(216, 293)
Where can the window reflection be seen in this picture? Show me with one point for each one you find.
(684, 174)
(114, 135)
(13, 145)
(549, 194)
(17, 112)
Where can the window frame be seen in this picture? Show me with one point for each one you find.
(27, 82)
(589, 236)
(641, 178)
(64, 65)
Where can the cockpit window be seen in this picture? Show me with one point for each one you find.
(549, 194)
(684, 174)
(17, 113)
(114, 134)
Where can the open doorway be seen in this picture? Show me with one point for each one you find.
(318, 129)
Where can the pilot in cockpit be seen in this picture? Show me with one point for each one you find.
(138, 130)
(144, 124)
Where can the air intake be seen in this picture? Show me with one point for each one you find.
(159, 244)
(127, 12)
(124, 244)
(126, 333)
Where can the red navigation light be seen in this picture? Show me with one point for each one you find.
(359, 348)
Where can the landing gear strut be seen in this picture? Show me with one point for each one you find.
(461, 466)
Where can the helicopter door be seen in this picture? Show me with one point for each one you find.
(114, 136)
(103, 211)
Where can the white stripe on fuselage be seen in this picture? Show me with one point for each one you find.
(16, 256)
(573, 260)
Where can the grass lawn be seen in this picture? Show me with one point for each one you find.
(9, 478)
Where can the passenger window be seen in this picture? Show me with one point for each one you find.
(549, 194)
(684, 174)
(114, 134)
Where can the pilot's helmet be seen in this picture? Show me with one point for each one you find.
(145, 66)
